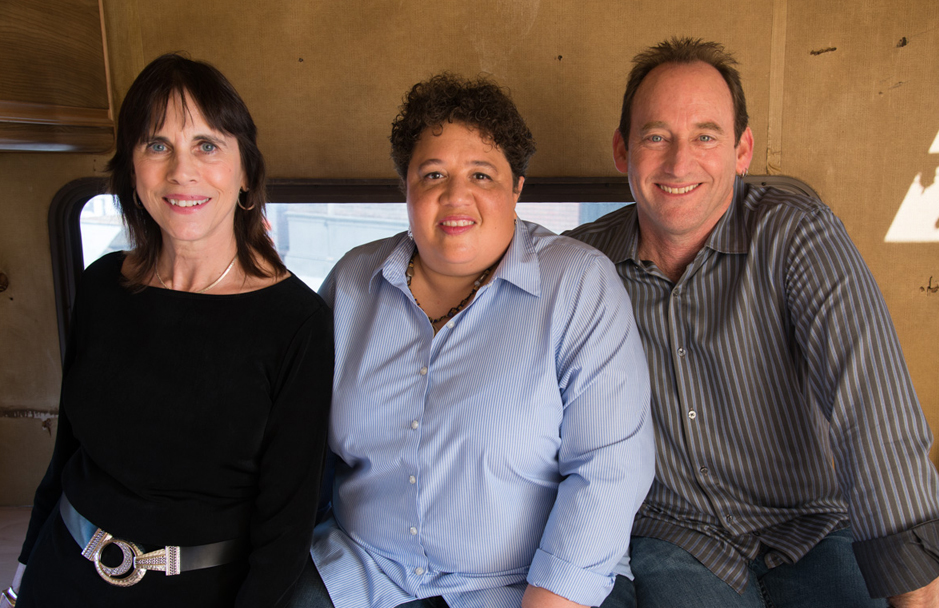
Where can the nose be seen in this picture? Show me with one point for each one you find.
(456, 192)
(680, 158)
(182, 168)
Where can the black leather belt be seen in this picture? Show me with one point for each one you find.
(171, 559)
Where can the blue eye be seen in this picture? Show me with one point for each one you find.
(706, 138)
(208, 147)
(157, 146)
(656, 138)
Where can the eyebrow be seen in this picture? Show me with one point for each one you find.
(198, 137)
(659, 124)
(474, 163)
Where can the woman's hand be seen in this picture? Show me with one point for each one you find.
(536, 597)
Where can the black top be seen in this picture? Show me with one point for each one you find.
(188, 419)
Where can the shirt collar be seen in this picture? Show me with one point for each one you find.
(519, 266)
(731, 233)
(395, 264)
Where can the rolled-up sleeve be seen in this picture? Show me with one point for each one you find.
(879, 436)
(607, 454)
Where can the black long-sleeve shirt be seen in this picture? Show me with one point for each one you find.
(188, 419)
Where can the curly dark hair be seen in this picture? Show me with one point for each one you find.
(479, 104)
(686, 50)
(143, 112)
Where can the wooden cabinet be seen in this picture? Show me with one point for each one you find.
(54, 93)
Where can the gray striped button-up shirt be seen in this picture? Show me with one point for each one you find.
(783, 406)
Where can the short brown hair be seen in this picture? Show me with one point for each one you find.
(479, 104)
(144, 111)
(685, 50)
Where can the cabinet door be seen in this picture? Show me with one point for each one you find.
(54, 92)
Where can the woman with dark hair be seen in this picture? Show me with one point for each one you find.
(490, 415)
(197, 378)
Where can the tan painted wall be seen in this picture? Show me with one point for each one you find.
(324, 79)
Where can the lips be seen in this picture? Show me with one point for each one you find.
(456, 225)
(681, 190)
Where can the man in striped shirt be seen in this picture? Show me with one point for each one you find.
(792, 462)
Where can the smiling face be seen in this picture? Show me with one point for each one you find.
(188, 176)
(461, 203)
(681, 157)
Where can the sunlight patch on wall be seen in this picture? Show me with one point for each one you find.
(917, 221)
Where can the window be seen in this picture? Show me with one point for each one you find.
(312, 222)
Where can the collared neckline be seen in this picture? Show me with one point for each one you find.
(731, 233)
(518, 266)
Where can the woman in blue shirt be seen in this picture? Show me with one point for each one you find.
(490, 412)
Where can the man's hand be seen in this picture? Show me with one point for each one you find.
(536, 597)
(924, 597)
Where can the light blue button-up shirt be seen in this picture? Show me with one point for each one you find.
(513, 447)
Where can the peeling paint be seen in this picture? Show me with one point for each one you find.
(46, 416)
(830, 49)
(22, 413)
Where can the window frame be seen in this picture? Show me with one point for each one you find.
(65, 214)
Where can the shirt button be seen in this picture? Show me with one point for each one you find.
(414, 424)
(451, 324)
(704, 471)
(418, 571)
(692, 414)
(681, 352)
(413, 530)
(424, 371)
(412, 479)
(676, 292)
(729, 519)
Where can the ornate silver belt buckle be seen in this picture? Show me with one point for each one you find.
(135, 560)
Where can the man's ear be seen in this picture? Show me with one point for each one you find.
(744, 151)
(620, 159)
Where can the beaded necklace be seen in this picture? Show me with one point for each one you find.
(409, 273)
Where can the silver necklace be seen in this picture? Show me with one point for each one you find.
(211, 285)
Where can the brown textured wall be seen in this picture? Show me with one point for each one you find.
(30, 363)
(860, 113)
(324, 80)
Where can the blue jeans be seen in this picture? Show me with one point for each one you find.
(667, 576)
(310, 592)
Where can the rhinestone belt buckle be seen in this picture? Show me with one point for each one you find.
(135, 560)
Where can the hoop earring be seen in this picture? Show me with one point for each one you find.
(744, 172)
(243, 208)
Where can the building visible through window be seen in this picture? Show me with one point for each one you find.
(311, 237)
